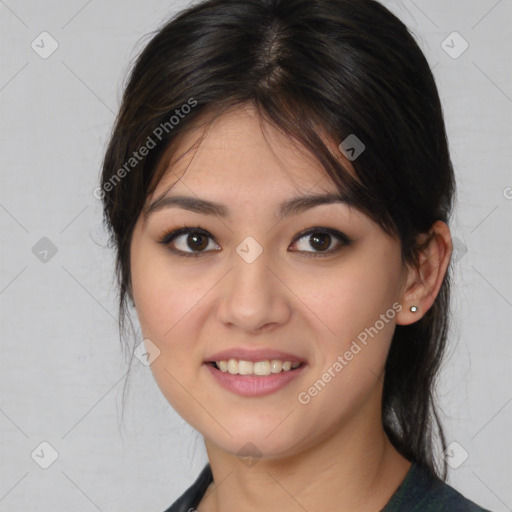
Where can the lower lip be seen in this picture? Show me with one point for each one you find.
(254, 385)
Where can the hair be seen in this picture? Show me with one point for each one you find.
(318, 71)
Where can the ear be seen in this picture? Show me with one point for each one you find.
(422, 283)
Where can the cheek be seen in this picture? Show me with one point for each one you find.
(170, 298)
(353, 352)
(166, 301)
(352, 297)
(162, 293)
(151, 295)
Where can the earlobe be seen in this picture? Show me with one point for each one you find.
(424, 281)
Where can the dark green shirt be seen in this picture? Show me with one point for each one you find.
(420, 491)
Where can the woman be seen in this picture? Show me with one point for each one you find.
(277, 187)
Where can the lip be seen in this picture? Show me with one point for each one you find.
(254, 385)
(254, 355)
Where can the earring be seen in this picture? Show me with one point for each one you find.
(414, 309)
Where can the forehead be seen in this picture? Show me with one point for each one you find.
(240, 155)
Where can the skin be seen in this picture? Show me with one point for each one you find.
(331, 453)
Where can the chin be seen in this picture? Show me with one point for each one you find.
(255, 443)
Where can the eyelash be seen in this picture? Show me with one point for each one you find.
(170, 236)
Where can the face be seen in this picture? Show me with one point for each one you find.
(319, 286)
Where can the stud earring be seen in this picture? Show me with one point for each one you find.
(414, 309)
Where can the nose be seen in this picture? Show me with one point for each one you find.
(253, 297)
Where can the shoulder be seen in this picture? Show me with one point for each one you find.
(423, 491)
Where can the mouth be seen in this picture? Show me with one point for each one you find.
(254, 379)
(257, 368)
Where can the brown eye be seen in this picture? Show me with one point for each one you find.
(321, 240)
(196, 241)
(187, 241)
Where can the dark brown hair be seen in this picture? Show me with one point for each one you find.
(317, 70)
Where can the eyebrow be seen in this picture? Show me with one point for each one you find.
(291, 207)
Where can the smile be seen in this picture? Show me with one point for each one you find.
(267, 367)
(241, 377)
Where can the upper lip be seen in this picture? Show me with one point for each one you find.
(255, 354)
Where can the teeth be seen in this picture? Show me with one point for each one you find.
(241, 367)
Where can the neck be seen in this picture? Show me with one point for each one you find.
(354, 468)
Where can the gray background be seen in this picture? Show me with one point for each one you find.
(61, 367)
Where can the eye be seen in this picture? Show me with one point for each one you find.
(188, 241)
(321, 239)
(195, 239)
